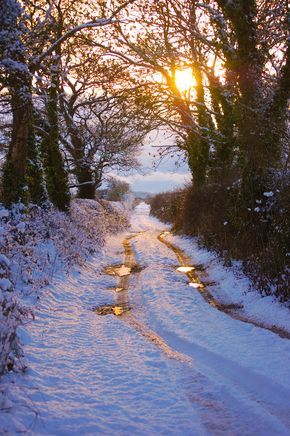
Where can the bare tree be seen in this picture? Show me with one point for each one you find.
(102, 129)
(19, 64)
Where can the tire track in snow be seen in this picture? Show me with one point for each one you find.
(230, 309)
(122, 307)
(244, 387)
(218, 368)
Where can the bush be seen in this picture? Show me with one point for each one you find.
(166, 206)
(258, 235)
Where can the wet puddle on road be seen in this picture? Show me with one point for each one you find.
(122, 272)
(187, 268)
(117, 270)
(112, 309)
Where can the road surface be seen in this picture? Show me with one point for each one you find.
(126, 346)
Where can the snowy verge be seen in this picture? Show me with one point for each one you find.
(231, 286)
(34, 244)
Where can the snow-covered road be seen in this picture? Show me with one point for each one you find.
(173, 364)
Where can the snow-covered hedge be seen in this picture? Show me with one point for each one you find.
(33, 244)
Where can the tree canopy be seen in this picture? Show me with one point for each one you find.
(82, 83)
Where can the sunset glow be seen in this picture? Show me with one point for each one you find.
(184, 80)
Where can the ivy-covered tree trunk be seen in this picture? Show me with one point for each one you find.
(55, 174)
(15, 165)
(198, 154)
(86, 185)
(222, 98)
(255, 159)
(205, 125)
(196, 144)
(277, 114)
(34, 173)
(22, 176)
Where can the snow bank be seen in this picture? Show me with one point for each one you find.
(33, 245)
(231, 286)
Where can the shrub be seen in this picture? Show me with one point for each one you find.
(258, 235)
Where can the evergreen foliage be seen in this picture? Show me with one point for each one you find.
(34, 173)
(13, 187)
(55, 175)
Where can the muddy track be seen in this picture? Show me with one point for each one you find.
(122, 307)
(230, 309)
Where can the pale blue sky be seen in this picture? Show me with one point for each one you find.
(171, 173)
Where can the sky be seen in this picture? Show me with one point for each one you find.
(156, 177)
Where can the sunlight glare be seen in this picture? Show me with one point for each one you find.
(184, 80)
(185, 269)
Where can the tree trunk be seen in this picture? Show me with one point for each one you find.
(248, 67)
(222, 162)
(55, 174)
(82, 169)
(22, 113)
(22, 174)
(196, 145)
(86, 188)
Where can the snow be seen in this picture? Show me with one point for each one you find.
(140, 221)
(35, 245)
(21, 227)
(4, 213)
(233, 287)
(5, 284)
(4, 261)
(173, 365)
(268, 194)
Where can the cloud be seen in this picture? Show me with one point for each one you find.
(156, 181)
(172, 172)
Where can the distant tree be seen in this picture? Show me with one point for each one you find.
(102, 138)
(117, 189)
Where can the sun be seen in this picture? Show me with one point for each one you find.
(185, 80)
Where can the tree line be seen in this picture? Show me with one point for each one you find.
(64, 84)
